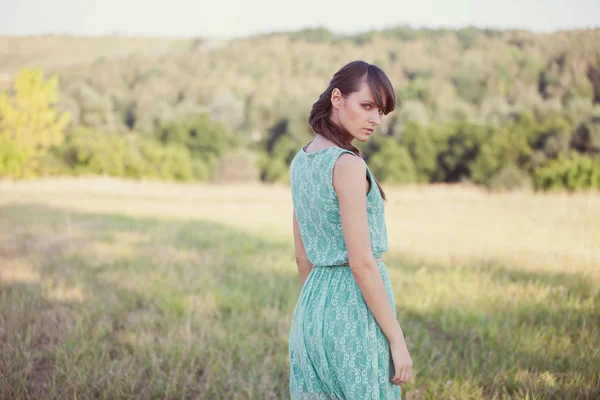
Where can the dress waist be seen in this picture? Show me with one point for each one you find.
(346, 264)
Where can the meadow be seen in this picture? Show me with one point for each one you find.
(113, 289)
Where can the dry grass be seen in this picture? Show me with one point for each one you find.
(114, 289)
(433, 224)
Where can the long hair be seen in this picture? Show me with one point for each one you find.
(348, 80)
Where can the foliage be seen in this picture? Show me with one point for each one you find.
(206, 141)
(237, 166)
(510, 177)
(491, 107)
(572, 172)
(458, 146)
(90, 152)
(29, 123)
(393, 163)
(201, 137)
(422, 149)
(586, 137)
(273, 169)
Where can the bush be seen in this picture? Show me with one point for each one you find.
(586, 137)
(458, 147)
(201, 136)
(393, 164)
(200, 170)
(573, 172)
(273, 169)
(510, 177)
(52, 164)
(169, 162)
(89, 152)
(422, 150)
(237, 166)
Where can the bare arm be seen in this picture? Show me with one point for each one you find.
(349, 183)
(304, 265)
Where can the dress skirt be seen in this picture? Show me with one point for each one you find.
(337, 349)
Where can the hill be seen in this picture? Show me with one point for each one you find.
(260, 89)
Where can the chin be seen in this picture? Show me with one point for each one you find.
(361, 136)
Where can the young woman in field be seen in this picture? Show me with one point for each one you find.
(345, 341)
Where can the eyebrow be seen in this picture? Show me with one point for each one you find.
(373, 103)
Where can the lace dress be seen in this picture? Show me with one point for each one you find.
(337, 349)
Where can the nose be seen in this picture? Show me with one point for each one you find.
(375, 119)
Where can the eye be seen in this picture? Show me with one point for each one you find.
(368, 106)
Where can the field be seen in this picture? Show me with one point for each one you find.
(115, 290)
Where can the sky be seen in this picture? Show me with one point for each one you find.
(237, 18)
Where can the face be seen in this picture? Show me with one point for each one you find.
(357, 113)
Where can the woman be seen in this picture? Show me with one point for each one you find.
(345, 341)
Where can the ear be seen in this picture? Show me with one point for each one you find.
(336, 98)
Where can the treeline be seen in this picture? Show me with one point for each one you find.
(37, 140)
(524, 153)
(499, 108)
(551, 153)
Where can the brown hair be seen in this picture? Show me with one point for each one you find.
(348, 80)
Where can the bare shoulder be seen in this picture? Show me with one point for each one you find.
(348, 172)
(348, 163)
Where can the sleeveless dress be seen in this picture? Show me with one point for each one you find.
(336, 347)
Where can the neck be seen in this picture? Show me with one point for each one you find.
(322, 139)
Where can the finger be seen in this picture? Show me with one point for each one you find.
(398, 378)
(408, 376)
(402, 375)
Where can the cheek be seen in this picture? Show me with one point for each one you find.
(353, 115)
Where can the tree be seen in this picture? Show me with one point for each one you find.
(571, 172)
(207, 141)
(422, 150)
(458, 147)
(91, 152)
(393, 163)
(29, 123)
(586, 138)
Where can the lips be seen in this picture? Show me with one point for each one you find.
(369, 130)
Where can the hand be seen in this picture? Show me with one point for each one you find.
(402, 362)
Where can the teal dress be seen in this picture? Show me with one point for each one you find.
(336, 347)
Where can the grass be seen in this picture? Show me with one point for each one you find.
(117, 290)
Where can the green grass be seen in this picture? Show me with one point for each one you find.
(104, 306)
(99, 305)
